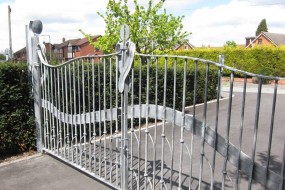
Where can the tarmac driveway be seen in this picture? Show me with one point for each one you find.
(45, 172)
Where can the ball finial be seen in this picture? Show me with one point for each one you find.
(36, 26)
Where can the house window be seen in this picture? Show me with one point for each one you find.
(60, 54)
(69, 49)
(185, 46)
(259, 41)
(77, 48)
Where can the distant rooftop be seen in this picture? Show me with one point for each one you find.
(278, 39)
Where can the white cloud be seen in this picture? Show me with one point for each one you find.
(256, 2)
(233, 21)
(168, 4)
(179, 4)
(62, 18)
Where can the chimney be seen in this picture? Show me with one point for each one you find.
(63, 39)
(248, 40)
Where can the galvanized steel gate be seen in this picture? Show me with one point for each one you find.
(113, 120)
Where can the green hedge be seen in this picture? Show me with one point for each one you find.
(87, 68)
(17, 132)
(201, 73)
(260, 60)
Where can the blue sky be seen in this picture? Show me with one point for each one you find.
(212, 22)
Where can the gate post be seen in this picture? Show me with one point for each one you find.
(126, 51)
(35, 27)
(222, 62)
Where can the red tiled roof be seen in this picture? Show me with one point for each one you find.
(84, 40)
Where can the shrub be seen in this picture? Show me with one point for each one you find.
(179, 83)
(17, 131)
(85, 70)
(259, 60)
(170, 84)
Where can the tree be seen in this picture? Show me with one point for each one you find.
(2, 56)
(262, 27)
(148, 29)
(231, 44)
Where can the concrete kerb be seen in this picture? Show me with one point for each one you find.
(252, 87)
(26, 158)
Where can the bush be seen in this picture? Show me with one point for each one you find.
(2, 56)
(85, 70)
(201, 73)
(259, 60)
(17, 131)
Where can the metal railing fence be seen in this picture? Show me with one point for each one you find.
(139, 121)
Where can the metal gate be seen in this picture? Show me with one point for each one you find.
(116, 119)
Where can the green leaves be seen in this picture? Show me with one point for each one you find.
(2, 56)
(149, 28)
(262, 27)
(231, 44)
(17, 131)
(255, 60)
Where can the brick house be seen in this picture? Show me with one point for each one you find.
(83, 48)
(185, 45)
(267, 39)
(73, 48)
(66, 50)
(20, 55)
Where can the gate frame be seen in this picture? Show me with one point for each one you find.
(32, 41)
(127, 51)
(125, 64)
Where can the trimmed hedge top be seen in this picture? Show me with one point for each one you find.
(259, 60)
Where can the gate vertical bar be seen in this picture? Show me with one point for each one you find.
(282, 186)
(193, 121)
(124, 156)
(241, 131)
(228, 126)
(125, 62)
(256, 125)
(202, 150)
(36, 27)
(271, 130)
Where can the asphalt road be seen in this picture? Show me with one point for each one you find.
(234, 136)
(44, 172)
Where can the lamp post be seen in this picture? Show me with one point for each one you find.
(49, 45)
(10, 35)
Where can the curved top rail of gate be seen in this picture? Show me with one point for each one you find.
(218, 64)
(41, 54)
(74, 94)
